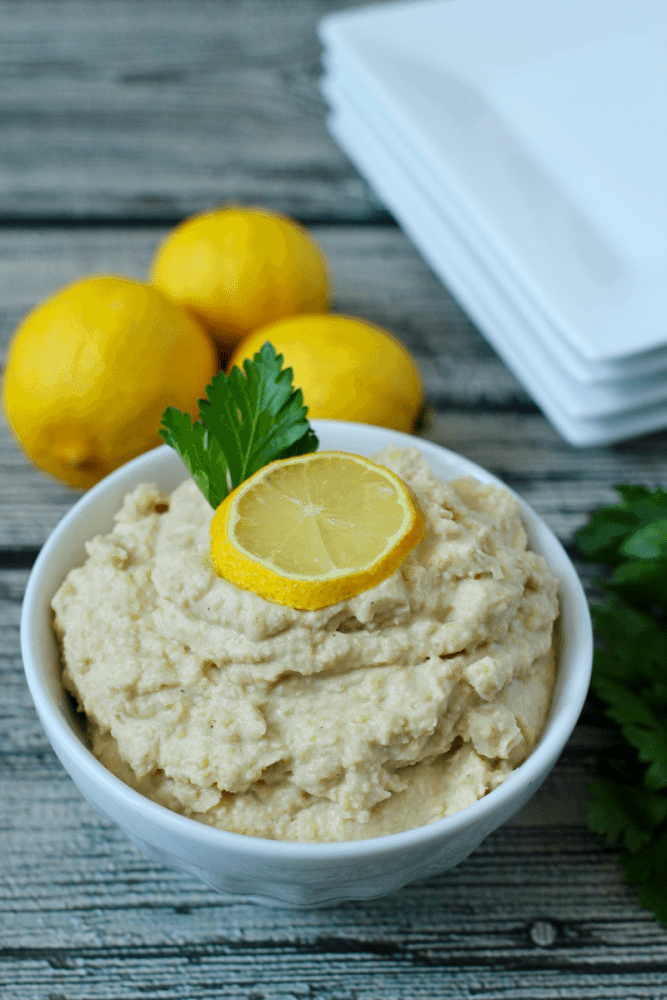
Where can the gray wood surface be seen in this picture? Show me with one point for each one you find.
(116, 119)
(153, 110)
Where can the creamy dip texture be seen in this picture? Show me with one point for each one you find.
(378, 714)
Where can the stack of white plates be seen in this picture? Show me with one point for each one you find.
(522, 145)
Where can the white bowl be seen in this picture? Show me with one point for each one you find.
(267, 870)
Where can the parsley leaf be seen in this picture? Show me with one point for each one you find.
(248, 419)
(201, 453)
(624, 812)
(629, 796)
(646, 867)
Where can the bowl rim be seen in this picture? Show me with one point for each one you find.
(550, 744)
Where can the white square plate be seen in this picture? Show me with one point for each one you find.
(545, 122)
(342, 87)
(526, 337)
(483, 301)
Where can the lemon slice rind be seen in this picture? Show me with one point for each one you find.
(250, 570)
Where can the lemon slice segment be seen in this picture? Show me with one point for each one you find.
(316, 529)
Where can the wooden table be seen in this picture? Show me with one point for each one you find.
(117, 119)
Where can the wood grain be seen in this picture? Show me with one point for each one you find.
(479, 409)
(154, 111)
(118, 119)
(84, 915)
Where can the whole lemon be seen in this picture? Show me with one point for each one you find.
(91, 370)
(237, 269)
(347, 369)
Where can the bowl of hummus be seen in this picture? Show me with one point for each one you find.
(306, 757)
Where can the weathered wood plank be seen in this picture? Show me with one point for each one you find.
(527, 912)
(546, 902)
(375, 270)
(352, 974)
(480, 409)
(131, 110)
(154, 111)
(84, 916)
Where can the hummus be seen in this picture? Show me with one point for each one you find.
(378, 714)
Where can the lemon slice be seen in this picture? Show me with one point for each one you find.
(316, 529)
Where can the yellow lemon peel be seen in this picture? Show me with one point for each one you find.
(239, 268)
(91, 370)
(347, 369)
(316, 529)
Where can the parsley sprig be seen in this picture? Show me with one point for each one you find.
(248, 419)
(629, 795)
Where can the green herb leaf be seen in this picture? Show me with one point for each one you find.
(200, 452)
(622, 812)
(248, 419)
(646, 868)
(607, 530)
(648, 542)
(612, 526)
(640, 725)
(629, 796)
